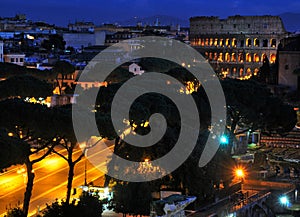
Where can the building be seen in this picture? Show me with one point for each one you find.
(14, 58)
(82, 27)
(289, 62)
(136, 69)
(237, 46)
(120, 36)
(61, 100)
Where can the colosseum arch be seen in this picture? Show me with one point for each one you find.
(221, 42)
(256, 58)
(210, 56)
(273, 42)
(256, 42)
(206, 42)
(216, 42)
(234, 42)
(242, 43)
(241, 57)
(202, 42)
(241, 72)
(248, 42)
(220, 57)
(227, 57)
(272, 58)
(248, 72)
(256, 70)
(206, 54)
(233, 57)
(233, 72)
(227, 42)
(248, 57)
(265, 43)
(215, 56)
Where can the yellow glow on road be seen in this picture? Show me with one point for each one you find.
(53, 162)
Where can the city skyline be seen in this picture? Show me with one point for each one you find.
(63, 12)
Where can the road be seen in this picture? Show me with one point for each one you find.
(50, 178)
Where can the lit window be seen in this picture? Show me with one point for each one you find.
(248, 42)
(234, 42)
(272, 58)
(256, 42)
(227, 42)
(233, 57)
(227, 57)
(221, 42)
(216, 42)
(256, 58)
(248, 57)
(241, 58)
(273, 42)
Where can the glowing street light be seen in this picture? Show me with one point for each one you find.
(224, 140)
(284, 200)
(239, 173)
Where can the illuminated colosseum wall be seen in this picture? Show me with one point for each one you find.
(237, 46)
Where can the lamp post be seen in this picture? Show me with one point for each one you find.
(85, 167)
(284, 201)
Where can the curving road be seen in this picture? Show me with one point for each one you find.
(50, 178)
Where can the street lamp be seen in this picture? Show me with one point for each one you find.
(284, 200)
(239, 173)
(85, 167)
(224, 140)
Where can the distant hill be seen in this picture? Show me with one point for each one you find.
(163, 20)
(291, 21)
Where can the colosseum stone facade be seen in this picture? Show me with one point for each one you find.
(237, 46)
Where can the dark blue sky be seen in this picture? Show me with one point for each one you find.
(60, 12)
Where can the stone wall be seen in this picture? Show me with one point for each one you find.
(237, 46)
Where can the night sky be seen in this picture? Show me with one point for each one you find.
(61, 12)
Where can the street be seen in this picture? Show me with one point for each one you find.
(50, 179)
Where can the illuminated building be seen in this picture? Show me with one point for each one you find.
(236, 46)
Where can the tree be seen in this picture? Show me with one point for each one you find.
(251, 106)
(157, 65)
(69, 142)
(24, 86)
(88, 206)
(9, 70)
(264, 72)
(54, 43)
(132, 198)
(30, 124)
(13, 150)
(60, 70)
(15, 212)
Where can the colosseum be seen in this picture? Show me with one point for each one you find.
(237, 46)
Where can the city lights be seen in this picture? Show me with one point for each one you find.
(284, 200)
(224, 140)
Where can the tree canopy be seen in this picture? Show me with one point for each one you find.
(9, 69)
(24, 86)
